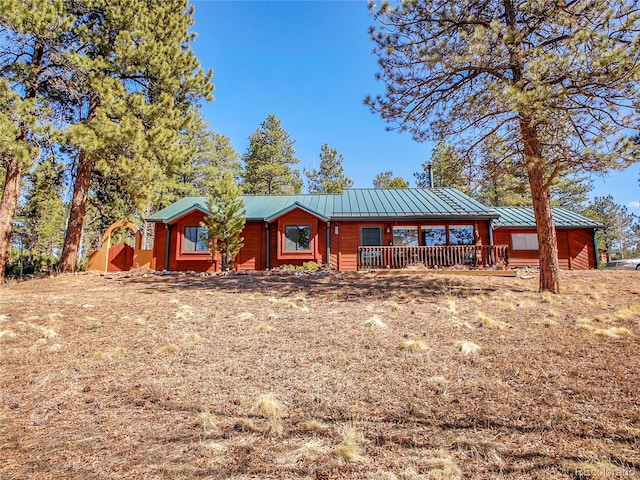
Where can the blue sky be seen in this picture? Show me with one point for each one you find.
(310, 64)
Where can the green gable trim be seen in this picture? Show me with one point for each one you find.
(523, 217)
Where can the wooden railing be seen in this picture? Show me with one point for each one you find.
(443, 256)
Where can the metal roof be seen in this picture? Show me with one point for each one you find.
(523, 217)
(351, 204)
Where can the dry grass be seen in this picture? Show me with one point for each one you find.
(412, 346)
(467, 348)
(374, 322)
(162, 379)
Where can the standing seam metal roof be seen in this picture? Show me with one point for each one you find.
(352, 203)
(523, 217)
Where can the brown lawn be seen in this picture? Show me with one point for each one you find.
(344, 376)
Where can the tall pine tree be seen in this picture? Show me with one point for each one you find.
(268, 161)
(555, 81)
(329, 177)
(137, 81)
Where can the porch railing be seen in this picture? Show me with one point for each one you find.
(442, 256)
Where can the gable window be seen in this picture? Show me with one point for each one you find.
(434, 235)
(297, 237)
(405, 236)
(371, 236)
(461, 235)
(195, 240)
(524, 241)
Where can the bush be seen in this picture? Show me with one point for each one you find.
(305, 267)
(31, 266)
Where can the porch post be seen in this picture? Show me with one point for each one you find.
(328, 262)
(166, 248)
(595, 249)
(268, 258)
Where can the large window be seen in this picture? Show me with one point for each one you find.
(297, 237)
(195, 240)
(524, 241)
(405, 236)
(461, 235)
(434, 235)
(371, 236)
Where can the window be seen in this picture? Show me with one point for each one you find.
(195, 240)
(434, 236)
(297, 237)
(371, 236)
(405, 236)
(524, 241)
(461, 235)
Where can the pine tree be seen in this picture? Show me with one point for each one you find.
(43, 214)
(136, 82)
(448, 170)
(387, 180)
(554, 81)
(226, 221)
(212, 155)
(329, 177)
(268, 161)
(32, 36)
(620, 237)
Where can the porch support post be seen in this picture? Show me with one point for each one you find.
(328, 262)
(492, 259)
(167, 247)
(268, 242)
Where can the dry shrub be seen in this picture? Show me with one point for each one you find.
(264, 328)
(627, 313)
(391, 305)
(268, 406)
(412, 346)
(56, 347)
(350, 449)
(185, 312)
(467, 348)
(3, 318)
(192, 337)
(546, 297)
(167, 349)
(438, 383)
(311, 450)
(7, 333)
(207, 420)
(118, 351)
(47, 332)
(613, 332)
(246, 316)
(374, 322)
(99, 355)
(316, 426)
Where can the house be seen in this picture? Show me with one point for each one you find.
(363, 228)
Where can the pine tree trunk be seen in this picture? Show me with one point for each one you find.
(8, 206)
(77, 212)
(547, 244)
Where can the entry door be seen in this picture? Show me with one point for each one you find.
(371, 236)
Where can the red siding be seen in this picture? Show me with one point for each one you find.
(575, 248)
(318, 242)
(252, 254)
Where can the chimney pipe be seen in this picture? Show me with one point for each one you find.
(430, 172)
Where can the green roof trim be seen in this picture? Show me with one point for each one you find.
(356, 203)
(523, 217)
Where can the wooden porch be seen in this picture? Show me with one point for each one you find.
(467, 256)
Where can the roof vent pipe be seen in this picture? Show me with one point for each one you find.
(430, 172)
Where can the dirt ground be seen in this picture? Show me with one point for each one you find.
(342, 376)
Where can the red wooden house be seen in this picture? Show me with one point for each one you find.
(360, 228)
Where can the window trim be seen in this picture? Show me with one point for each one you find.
(308, 250)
